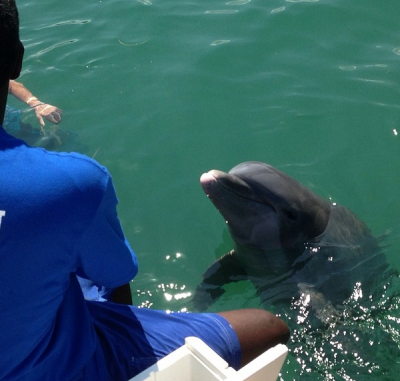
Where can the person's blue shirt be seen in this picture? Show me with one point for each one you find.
(57, 220)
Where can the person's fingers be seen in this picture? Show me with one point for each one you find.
(41, 121)
(51, 113)
(53, 117)
(57, 116)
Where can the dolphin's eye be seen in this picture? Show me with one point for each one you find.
(291, 214)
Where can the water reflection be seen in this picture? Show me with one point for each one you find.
(238, 2)
(165, 294)
(221, 12)
(357, 343)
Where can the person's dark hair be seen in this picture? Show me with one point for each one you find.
(9, 36)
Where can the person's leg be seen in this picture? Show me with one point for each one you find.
(132, 338)
(257, 331)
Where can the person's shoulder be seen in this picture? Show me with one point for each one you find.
(72, 169)
(73, 161)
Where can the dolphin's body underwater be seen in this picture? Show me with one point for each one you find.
(290, 242)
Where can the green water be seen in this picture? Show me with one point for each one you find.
(162, 91)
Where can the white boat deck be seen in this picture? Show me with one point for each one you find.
(195, 361)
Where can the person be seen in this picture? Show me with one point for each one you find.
(58, 220)
(14, 125)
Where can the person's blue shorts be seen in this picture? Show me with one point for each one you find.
(132, 339)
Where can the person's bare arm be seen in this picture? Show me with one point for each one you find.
(51, 113)
(19, 91)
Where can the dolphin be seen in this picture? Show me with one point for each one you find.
(292, 244)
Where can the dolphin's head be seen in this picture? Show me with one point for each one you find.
(266, 209)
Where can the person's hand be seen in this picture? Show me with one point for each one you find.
(51, 113)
